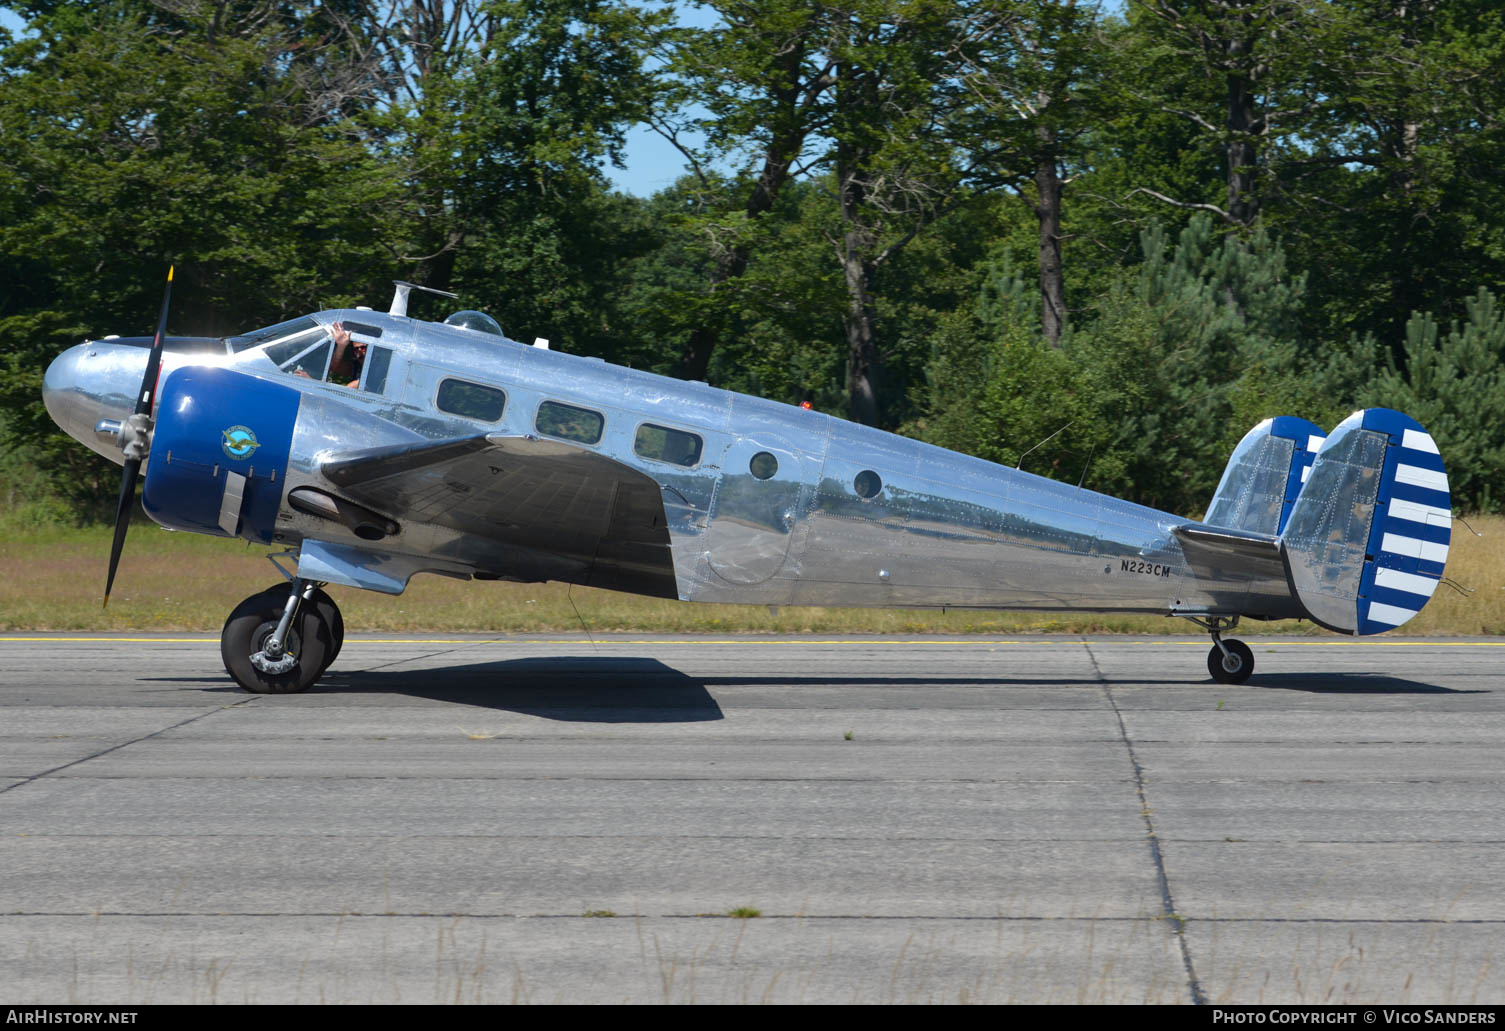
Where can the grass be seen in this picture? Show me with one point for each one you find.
(52, 579)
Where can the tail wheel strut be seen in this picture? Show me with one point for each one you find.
(1230, 661)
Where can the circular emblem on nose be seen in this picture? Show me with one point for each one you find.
(238, 442)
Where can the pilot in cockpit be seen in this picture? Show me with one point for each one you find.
(349, 358)
(345, 365)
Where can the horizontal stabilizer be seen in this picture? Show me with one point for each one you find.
(1368, 537)
(1243, 566)
(1235, 544)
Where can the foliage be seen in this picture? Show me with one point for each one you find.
(1180, 355)
(1265, 207)
(1454, 385)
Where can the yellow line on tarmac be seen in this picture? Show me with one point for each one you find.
(1063, 639)
(114, 640)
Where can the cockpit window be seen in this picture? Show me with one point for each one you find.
(257, 337)
(362, 329)
(312, 362)
(374, 375)
(289, 349)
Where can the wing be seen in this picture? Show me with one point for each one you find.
(543, 496)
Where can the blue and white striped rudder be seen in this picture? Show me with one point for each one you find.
(1368, 536)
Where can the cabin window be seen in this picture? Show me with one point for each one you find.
(763, 465)
(471, 400)
(569, 422)
(867, 484)
(662, 444)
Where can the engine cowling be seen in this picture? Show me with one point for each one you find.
(219, 453)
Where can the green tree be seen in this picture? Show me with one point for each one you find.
(1036, 72)
(1393, 198)
(1454, 385)
(1187, 351)
(764, 76)
(500, 117)
(131, 138)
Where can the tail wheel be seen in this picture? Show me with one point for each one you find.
(254, 621)
(1233, 668)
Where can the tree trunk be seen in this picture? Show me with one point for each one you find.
(1243, 120)
(857, 270)
(862, 348)
(1048, 210)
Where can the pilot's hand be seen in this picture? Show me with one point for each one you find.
(341, 335)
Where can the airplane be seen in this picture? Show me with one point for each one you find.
(457, 451)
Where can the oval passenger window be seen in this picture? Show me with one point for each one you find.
(763, 465)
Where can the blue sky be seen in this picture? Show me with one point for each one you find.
(652, 164)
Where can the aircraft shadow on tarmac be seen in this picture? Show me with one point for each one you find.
(1336, 683)
(1350, 683)
(567, 687)
(618, 689)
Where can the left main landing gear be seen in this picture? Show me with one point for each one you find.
(1229, 662)
(282, 640)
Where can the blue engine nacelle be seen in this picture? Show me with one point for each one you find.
(219, 453)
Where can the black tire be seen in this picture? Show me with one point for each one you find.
(253, 621)
(1243, 660)
(330, 612)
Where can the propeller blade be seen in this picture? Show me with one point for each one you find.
(132, 470)
(122, 518)
(154, 360)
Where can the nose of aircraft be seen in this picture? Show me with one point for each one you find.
(92, 382)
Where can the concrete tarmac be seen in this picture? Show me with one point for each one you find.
(913, 819)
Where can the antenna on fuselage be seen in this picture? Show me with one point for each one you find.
(400, 296)
(1047, 440)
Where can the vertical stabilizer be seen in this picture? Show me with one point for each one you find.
(1367, 538)
(1264, 476)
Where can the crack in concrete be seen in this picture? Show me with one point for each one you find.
(1167, 901)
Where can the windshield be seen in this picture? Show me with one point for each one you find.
(336, 354)
(256, 337)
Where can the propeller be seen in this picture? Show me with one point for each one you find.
(135, 439)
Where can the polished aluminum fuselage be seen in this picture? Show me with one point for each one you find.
(944, 530)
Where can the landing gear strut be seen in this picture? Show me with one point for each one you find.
(1229, 662)
(282, 640)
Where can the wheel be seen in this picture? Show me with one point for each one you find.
(332, 619)
(246, 632)
(1233, 668)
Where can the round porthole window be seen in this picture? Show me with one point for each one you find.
(763, 465)
(867, 484)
